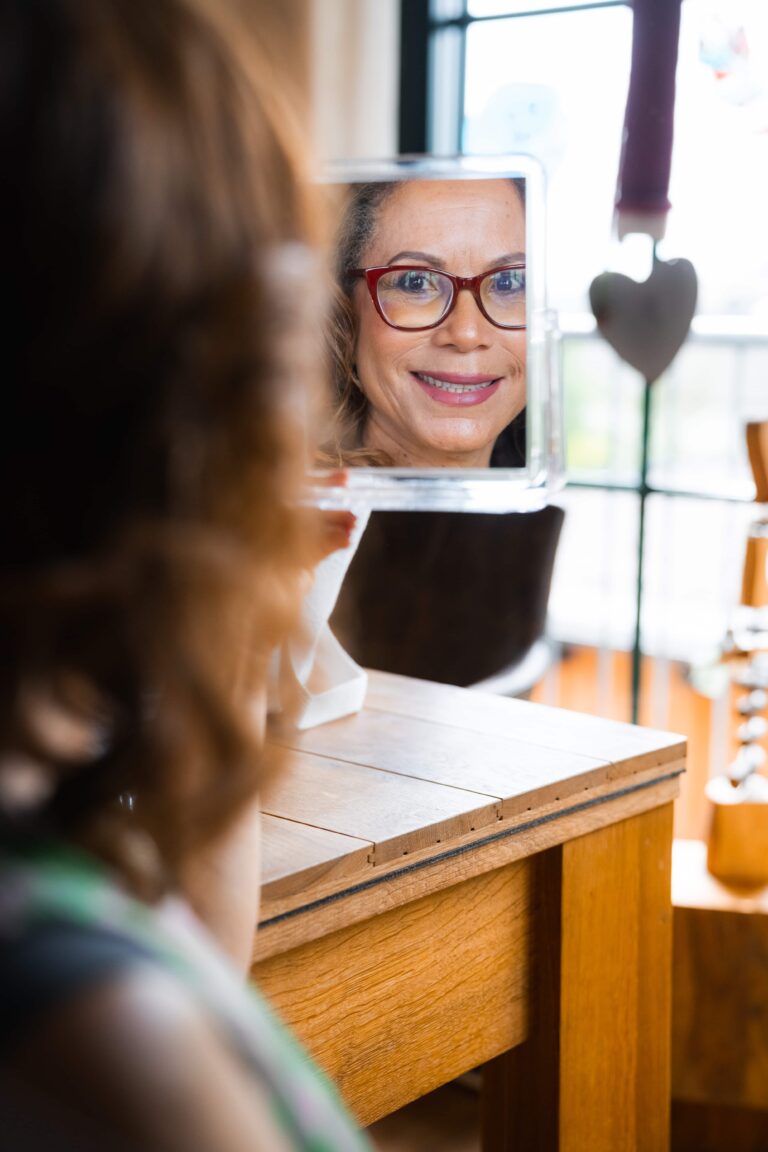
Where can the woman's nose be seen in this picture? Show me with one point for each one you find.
(465, 327)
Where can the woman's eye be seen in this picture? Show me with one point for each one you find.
(509, 282)
(416, 282)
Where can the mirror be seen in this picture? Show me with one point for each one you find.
(443, 354)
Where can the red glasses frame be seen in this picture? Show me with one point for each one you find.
(459, 283)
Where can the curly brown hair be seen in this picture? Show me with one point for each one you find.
(152, 207)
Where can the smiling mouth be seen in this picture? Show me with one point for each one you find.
(446, 385)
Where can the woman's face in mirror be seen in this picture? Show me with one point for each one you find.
(440, 397)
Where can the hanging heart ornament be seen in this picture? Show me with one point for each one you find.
(646, 323)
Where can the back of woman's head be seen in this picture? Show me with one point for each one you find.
(149, 454)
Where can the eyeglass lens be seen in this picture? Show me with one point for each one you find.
(417, 298)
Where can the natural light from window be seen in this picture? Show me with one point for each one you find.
(566, 104)
(555, 84)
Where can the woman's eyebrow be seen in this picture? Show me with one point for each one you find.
(435, 261)
(422, 257)
(508, 258)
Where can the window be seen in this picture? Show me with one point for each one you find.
(549, 77)
(554, 82)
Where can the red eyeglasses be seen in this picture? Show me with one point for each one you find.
(413, 298)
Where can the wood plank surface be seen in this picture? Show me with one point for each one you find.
(396, 783)
(403, 1002)
(493, 764)
(295, 856)
(533, 723)
(399, 814)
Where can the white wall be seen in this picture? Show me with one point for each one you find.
(355, 50)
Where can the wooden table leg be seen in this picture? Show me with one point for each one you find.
(594, 1075)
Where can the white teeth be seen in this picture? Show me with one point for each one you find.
(446, 387)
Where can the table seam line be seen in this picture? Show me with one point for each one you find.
(600, 761)
(394, 772)
(464, 849)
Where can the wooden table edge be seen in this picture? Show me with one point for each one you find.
(318, 912)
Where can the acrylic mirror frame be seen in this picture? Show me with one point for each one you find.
(473, 489)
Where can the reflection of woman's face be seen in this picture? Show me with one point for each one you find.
(439, 398)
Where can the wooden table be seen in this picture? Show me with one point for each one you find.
(455, 879)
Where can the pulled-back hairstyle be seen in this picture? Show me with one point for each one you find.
(356, 228)
(151, 211)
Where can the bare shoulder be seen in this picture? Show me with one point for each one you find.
(135, 1063)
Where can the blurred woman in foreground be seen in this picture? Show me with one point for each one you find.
(150, 463)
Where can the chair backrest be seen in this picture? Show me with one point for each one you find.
(448, 596)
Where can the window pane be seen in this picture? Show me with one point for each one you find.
(719, 185)
(446, 9)
(556, 86)
(508, 7)
(694, 553)
(700, 407)
(603, 400)
(592, 600)
(693, 564)
(444, 91)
